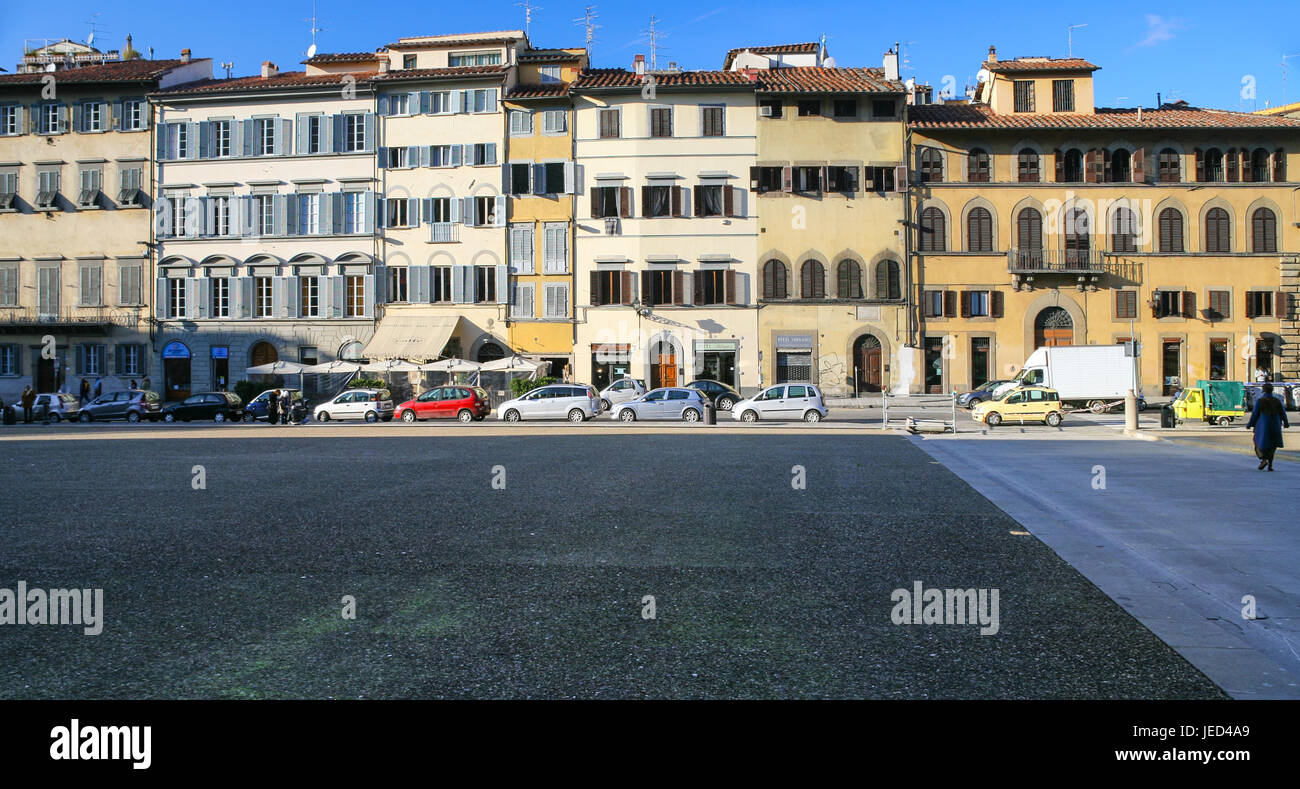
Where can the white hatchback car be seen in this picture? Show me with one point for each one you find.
(574, 402)
(783, 401)
(371, 405)
(621, 391)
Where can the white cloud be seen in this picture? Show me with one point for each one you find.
(1159, 30)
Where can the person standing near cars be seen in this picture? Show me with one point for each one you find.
(83, 394)
(99, 388)
(28, 400)
(286, 407)
(272, 407)
(1267, 419)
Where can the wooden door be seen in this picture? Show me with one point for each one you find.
(871, 369)
(664, 371)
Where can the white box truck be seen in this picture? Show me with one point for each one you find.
(1096, 377)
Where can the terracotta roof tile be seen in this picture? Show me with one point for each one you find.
(401, 75)
(343, 57)
(817, 79)
(123, 71)
(557, 55)
(776, 49)
(598, 78)
(538, 92)
(285, 79)
(1023, 65)
(980, 116)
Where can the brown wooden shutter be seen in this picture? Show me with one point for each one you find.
(595, 288)
(698, 288)
(732, 295)
(1189, 304)
(1230, 160)
(625, 201)
(950, 303)
(645, 201)
(1200, 164)
(1247, 166)
(679, 287)
(728, 200)
(1250, 304)
(676, 192)
(753, 178)
(1106, 175)
(1279, 165)
(1059, 157)
(1281, 305)
(787, 179)
(1090, 166)
(698, 200)
(595, 203)
(647, 292)
(965, 303)
(995, 303)
(626, 286)
(1139, 166)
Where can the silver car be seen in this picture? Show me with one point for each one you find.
(783, 401)
(621, 391)
(55, 407)
(670, 402)
(371, 405)
(574, 402)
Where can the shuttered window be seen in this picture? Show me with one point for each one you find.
(849, 280)
(774, 280)
(888, 284)
(1168, 166)
(812, 280)
(1124, 236)
(1024, 93)
(1029, 229)
(933, 232)
(1171, 230)
(1263, 231)
(1218, 231)
(977, 165)
(1028, 166)
(930, 162)
(1126, 304)
(1220, 304)
(979, 230)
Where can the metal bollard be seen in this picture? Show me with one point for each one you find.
(1130, 412)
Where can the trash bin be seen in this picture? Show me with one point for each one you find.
(710, 413)
(1167, 416)
(10, 417)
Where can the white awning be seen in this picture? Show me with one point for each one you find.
(275, 368)
(415, 336)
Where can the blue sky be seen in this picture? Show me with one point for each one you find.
(1196, 50)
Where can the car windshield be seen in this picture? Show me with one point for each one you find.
(1006, 394)
(67, 398)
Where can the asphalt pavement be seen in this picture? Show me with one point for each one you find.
(509, 565)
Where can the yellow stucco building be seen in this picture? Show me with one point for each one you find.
(1043, 220)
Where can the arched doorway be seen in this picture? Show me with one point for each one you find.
(663, 364)
(176, 371)
(262, 353)
(868, 364)
(490, 352)
(1053, 327)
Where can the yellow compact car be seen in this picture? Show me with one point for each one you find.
(1026, 404)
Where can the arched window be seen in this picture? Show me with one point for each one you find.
(888, 285)
(977, 165)
(848, 276)
(490, 352)
(979, 230)
(351, 352)
(1072, 166)
(1259, 165)
(1027, 165)
(1212, 166)
(774, 281)
(1121, 166)
(1123, 237)
(1029, 238)
(931, 165)
(1218, 231)
(1263, 231)
(812, 280)
(932, 232)
(1078, 243)
(1171, 230)
(1169, 168)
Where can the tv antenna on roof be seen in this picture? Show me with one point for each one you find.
(1069, 31)
(311, 50)
(653, 35)
(95, 28)
(228, 65)
(588, 21)
(529, 8)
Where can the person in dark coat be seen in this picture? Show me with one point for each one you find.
(272, 407)
(28, 400)
(286, 407)
(99, 388)
(84, 393)
(1267, 419)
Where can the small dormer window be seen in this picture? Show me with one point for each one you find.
(408, 61)
(1062, 95)
(1024, 95)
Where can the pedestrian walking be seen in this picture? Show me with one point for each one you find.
(28, 400)
(1267, 419)
(272, 407)
(83, 394)
(133, 386)
(286, 407)
(99, 388)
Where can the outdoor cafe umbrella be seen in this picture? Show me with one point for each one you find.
(276, 368)
(450, 366)
(513, 364)
(391, 366)
(336, 366)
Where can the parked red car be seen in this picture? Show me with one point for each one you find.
(465, 403)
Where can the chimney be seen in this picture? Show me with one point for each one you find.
(993, 54)
(269, 70)
(384, 65)
(185, 55)
(891, 65)
(638, 64)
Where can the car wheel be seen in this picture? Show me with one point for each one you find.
(1098, 406)
(512, 415)
(83, 417)
(1053, 419)
(993, 419)
(220, 416)
(812, 416)
(726, 404)
(1223, 420)
(323, 416)
(690, 415)
(627, 415)
(465, 415)
(576, 415)
(132, 417)
(55, 418)
(1142, 406)
(749, 416)
(604, 404)
(409, 415)
(249, 418)
(372, 417)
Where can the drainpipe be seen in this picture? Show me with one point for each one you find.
(908, 253)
